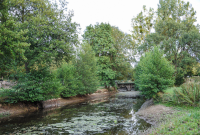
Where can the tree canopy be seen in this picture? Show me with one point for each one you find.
(176, 34)
(111, 49)
(43, 31)
(154, 73)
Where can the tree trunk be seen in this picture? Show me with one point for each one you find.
(26, 67)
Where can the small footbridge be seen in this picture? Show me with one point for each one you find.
(127, 84)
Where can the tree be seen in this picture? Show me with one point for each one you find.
(67, 74)
(100, 39)
(176, 34)
(51, 34)
(123, 44)
(142, 25)
(12, 39)
(154, 73)
(80, 76)
(86, 67)
(196, 69)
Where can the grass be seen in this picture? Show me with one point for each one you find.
(186, 121)
(195, 78)
(171, 90)
(167, 95)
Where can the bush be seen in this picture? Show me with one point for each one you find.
(67, 76)
(86, 66)
(79, 77)
(37, 86)
(189, 94)
(7, 96)
(153, 73)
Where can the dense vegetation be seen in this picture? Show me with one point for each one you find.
(110, 45)
(177, 35)
(40, 50)
(153, 73)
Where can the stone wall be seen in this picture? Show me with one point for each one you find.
(49, 103)
(7, 84)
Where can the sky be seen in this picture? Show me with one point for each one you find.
(118, 13)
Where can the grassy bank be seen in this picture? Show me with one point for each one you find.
(185, 121)
(186, 102)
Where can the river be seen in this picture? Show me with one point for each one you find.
(112, 116)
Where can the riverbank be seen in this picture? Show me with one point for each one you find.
(155, 114)
(115, 115)
(174, 120)
(11, 110)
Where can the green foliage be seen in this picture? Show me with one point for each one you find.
(196, 69)
(153, 73)
(67, 75)
(188, 94)
(38, 86)
(110, 46)
(168, 95)
(49, 32)
(123, 45)
(100, 39)
(177, 35)
(8, 96)
(86, 66)
(79, 77)
(142, 25)
(185, 121)
(12, 39)
(36, 34)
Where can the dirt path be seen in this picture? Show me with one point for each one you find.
(21, 108)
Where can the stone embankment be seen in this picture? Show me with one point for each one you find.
(21, 108)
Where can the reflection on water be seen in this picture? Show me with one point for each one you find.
(115, 116)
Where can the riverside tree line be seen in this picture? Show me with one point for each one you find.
(40, 49)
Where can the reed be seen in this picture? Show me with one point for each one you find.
(189, 94)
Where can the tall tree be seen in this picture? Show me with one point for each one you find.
(176, 34)
(51, 34)
(86, 67)
(100, 39)
(124, 44)
(12, 39)
(142, 25)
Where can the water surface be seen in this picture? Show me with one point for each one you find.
(112, 117)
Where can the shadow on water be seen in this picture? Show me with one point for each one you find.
(113, 116)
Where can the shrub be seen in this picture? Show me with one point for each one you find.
(189, 94)
(7, 96)
(37, 85)
(153, 73)
(86, 66)
(67, 76)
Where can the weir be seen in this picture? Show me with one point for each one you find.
(128, 85)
